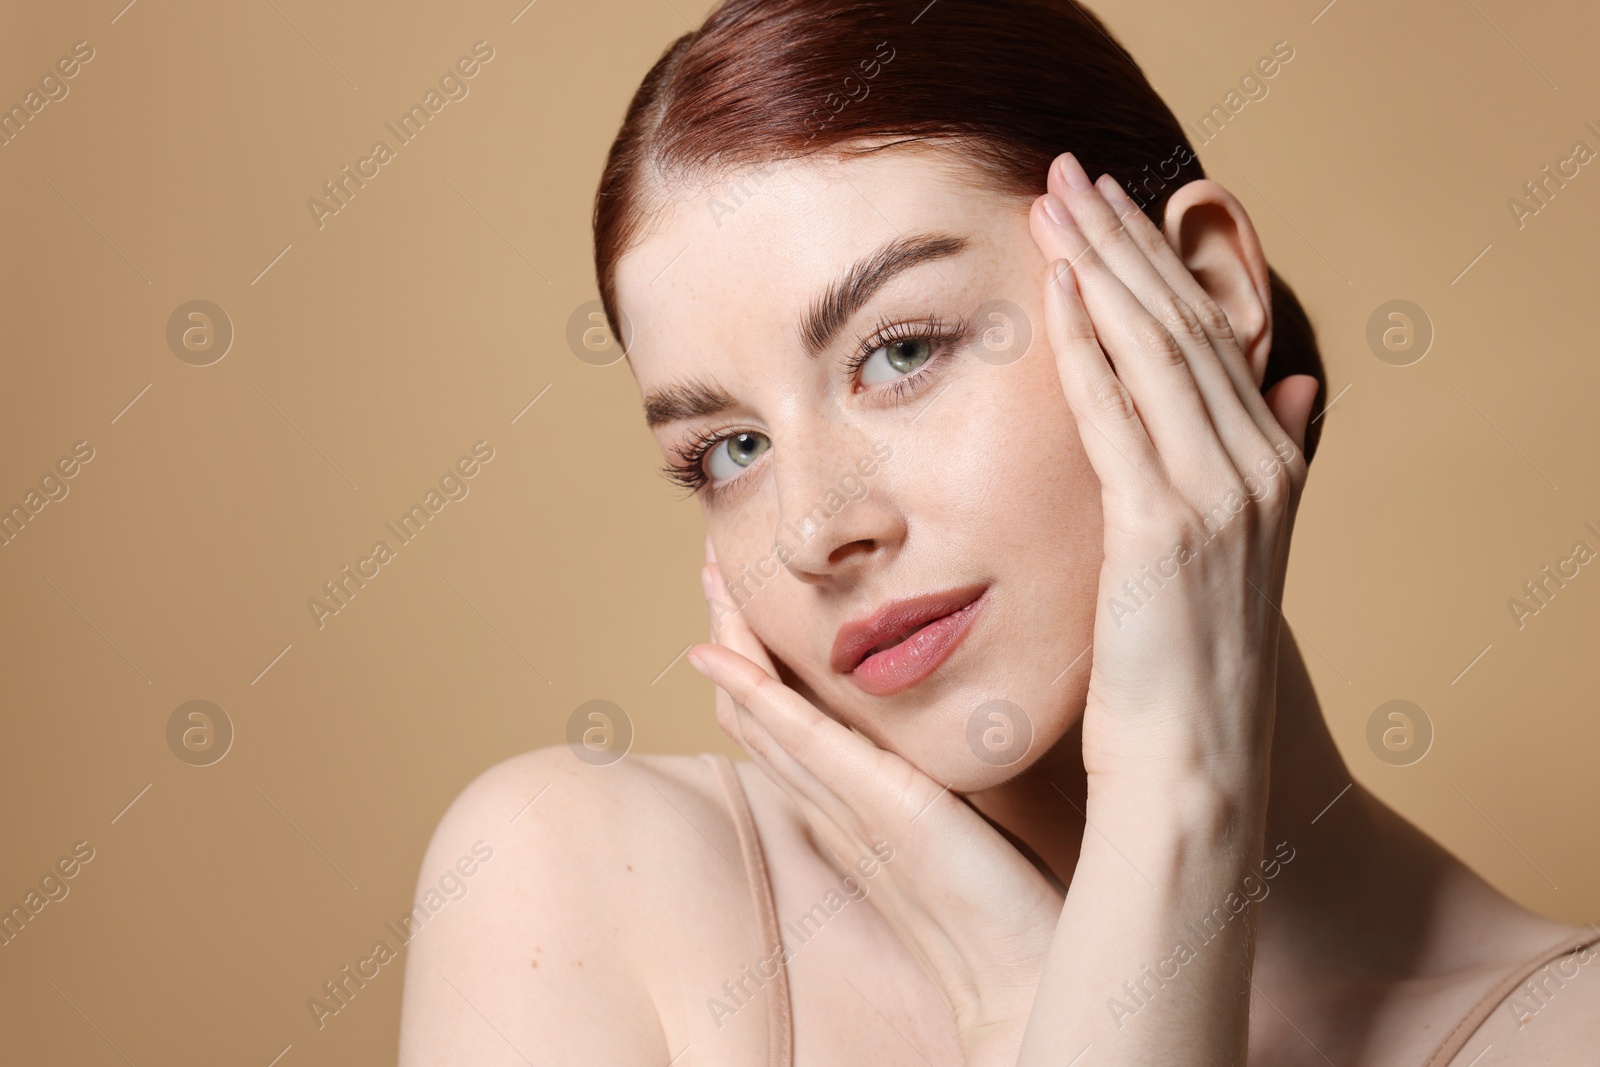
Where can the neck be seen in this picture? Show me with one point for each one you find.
(1043, 808)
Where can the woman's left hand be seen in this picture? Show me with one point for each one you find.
(977, 915)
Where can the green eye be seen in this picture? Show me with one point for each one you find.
(735, 453)
(896, 359)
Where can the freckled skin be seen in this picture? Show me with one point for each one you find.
(987, 481)
(1375, 940)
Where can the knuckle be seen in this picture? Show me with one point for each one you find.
(796, 747)
(1213, 319)
(1101, 223)
(1219, 511)
(1283, 483)
(1078, 328)
(1089, 261)
(1157, 342)
(1180, 320)
(1112, 398)
(1279, 474)
(1271, 497)
(1175, 517)
(762, 690)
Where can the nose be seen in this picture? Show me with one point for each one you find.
(836, 515)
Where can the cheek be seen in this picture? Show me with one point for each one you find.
(751, 564)
(1003, 490)
(999, 460)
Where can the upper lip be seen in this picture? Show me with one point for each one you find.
(895, 619)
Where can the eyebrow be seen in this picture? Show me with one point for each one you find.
(823, 319)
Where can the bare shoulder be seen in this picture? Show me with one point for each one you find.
(1552, 1016)
(547, 947)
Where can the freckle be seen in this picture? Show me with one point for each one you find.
(536, 965)
(580, 963)
(630, 866)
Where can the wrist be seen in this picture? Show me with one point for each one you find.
(1181, 829)
(994, 1044)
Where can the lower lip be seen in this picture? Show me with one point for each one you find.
(902, 666)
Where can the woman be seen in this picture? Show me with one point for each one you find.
(999, 467)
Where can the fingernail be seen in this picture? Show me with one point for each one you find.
(1073, 171)
(697, 663)
(1061, 272)
(1112, 190)
(1056, 210)
(711, 584)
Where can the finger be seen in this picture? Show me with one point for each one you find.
(1291, 401)
(821, 807)
(1160, 253)
(838, 770)
(1284, 452)
(799, 731)
(1239, 434)
(1112, 432)
(727, 718)
(728, 624)
(731, 630)
(1145, 356)
(1148, 238)
(737, 722)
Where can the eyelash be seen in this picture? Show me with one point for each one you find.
(691, 472)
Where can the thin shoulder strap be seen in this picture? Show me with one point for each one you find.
(780, 1030)
(1457, 1038)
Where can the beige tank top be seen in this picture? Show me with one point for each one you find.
(780, 1037)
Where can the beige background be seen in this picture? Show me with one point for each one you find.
(429, 312)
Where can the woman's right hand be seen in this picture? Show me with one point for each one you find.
(1200, 478)
(975, 913)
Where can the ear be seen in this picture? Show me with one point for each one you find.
(1209, 229)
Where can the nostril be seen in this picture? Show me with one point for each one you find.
(843, 553)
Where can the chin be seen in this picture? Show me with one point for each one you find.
(971, 741)
(970, 765)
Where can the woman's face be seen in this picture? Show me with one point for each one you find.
(945, 463)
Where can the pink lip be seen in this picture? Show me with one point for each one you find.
(944, 619)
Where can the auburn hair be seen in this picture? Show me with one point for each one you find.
(1011, 83)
